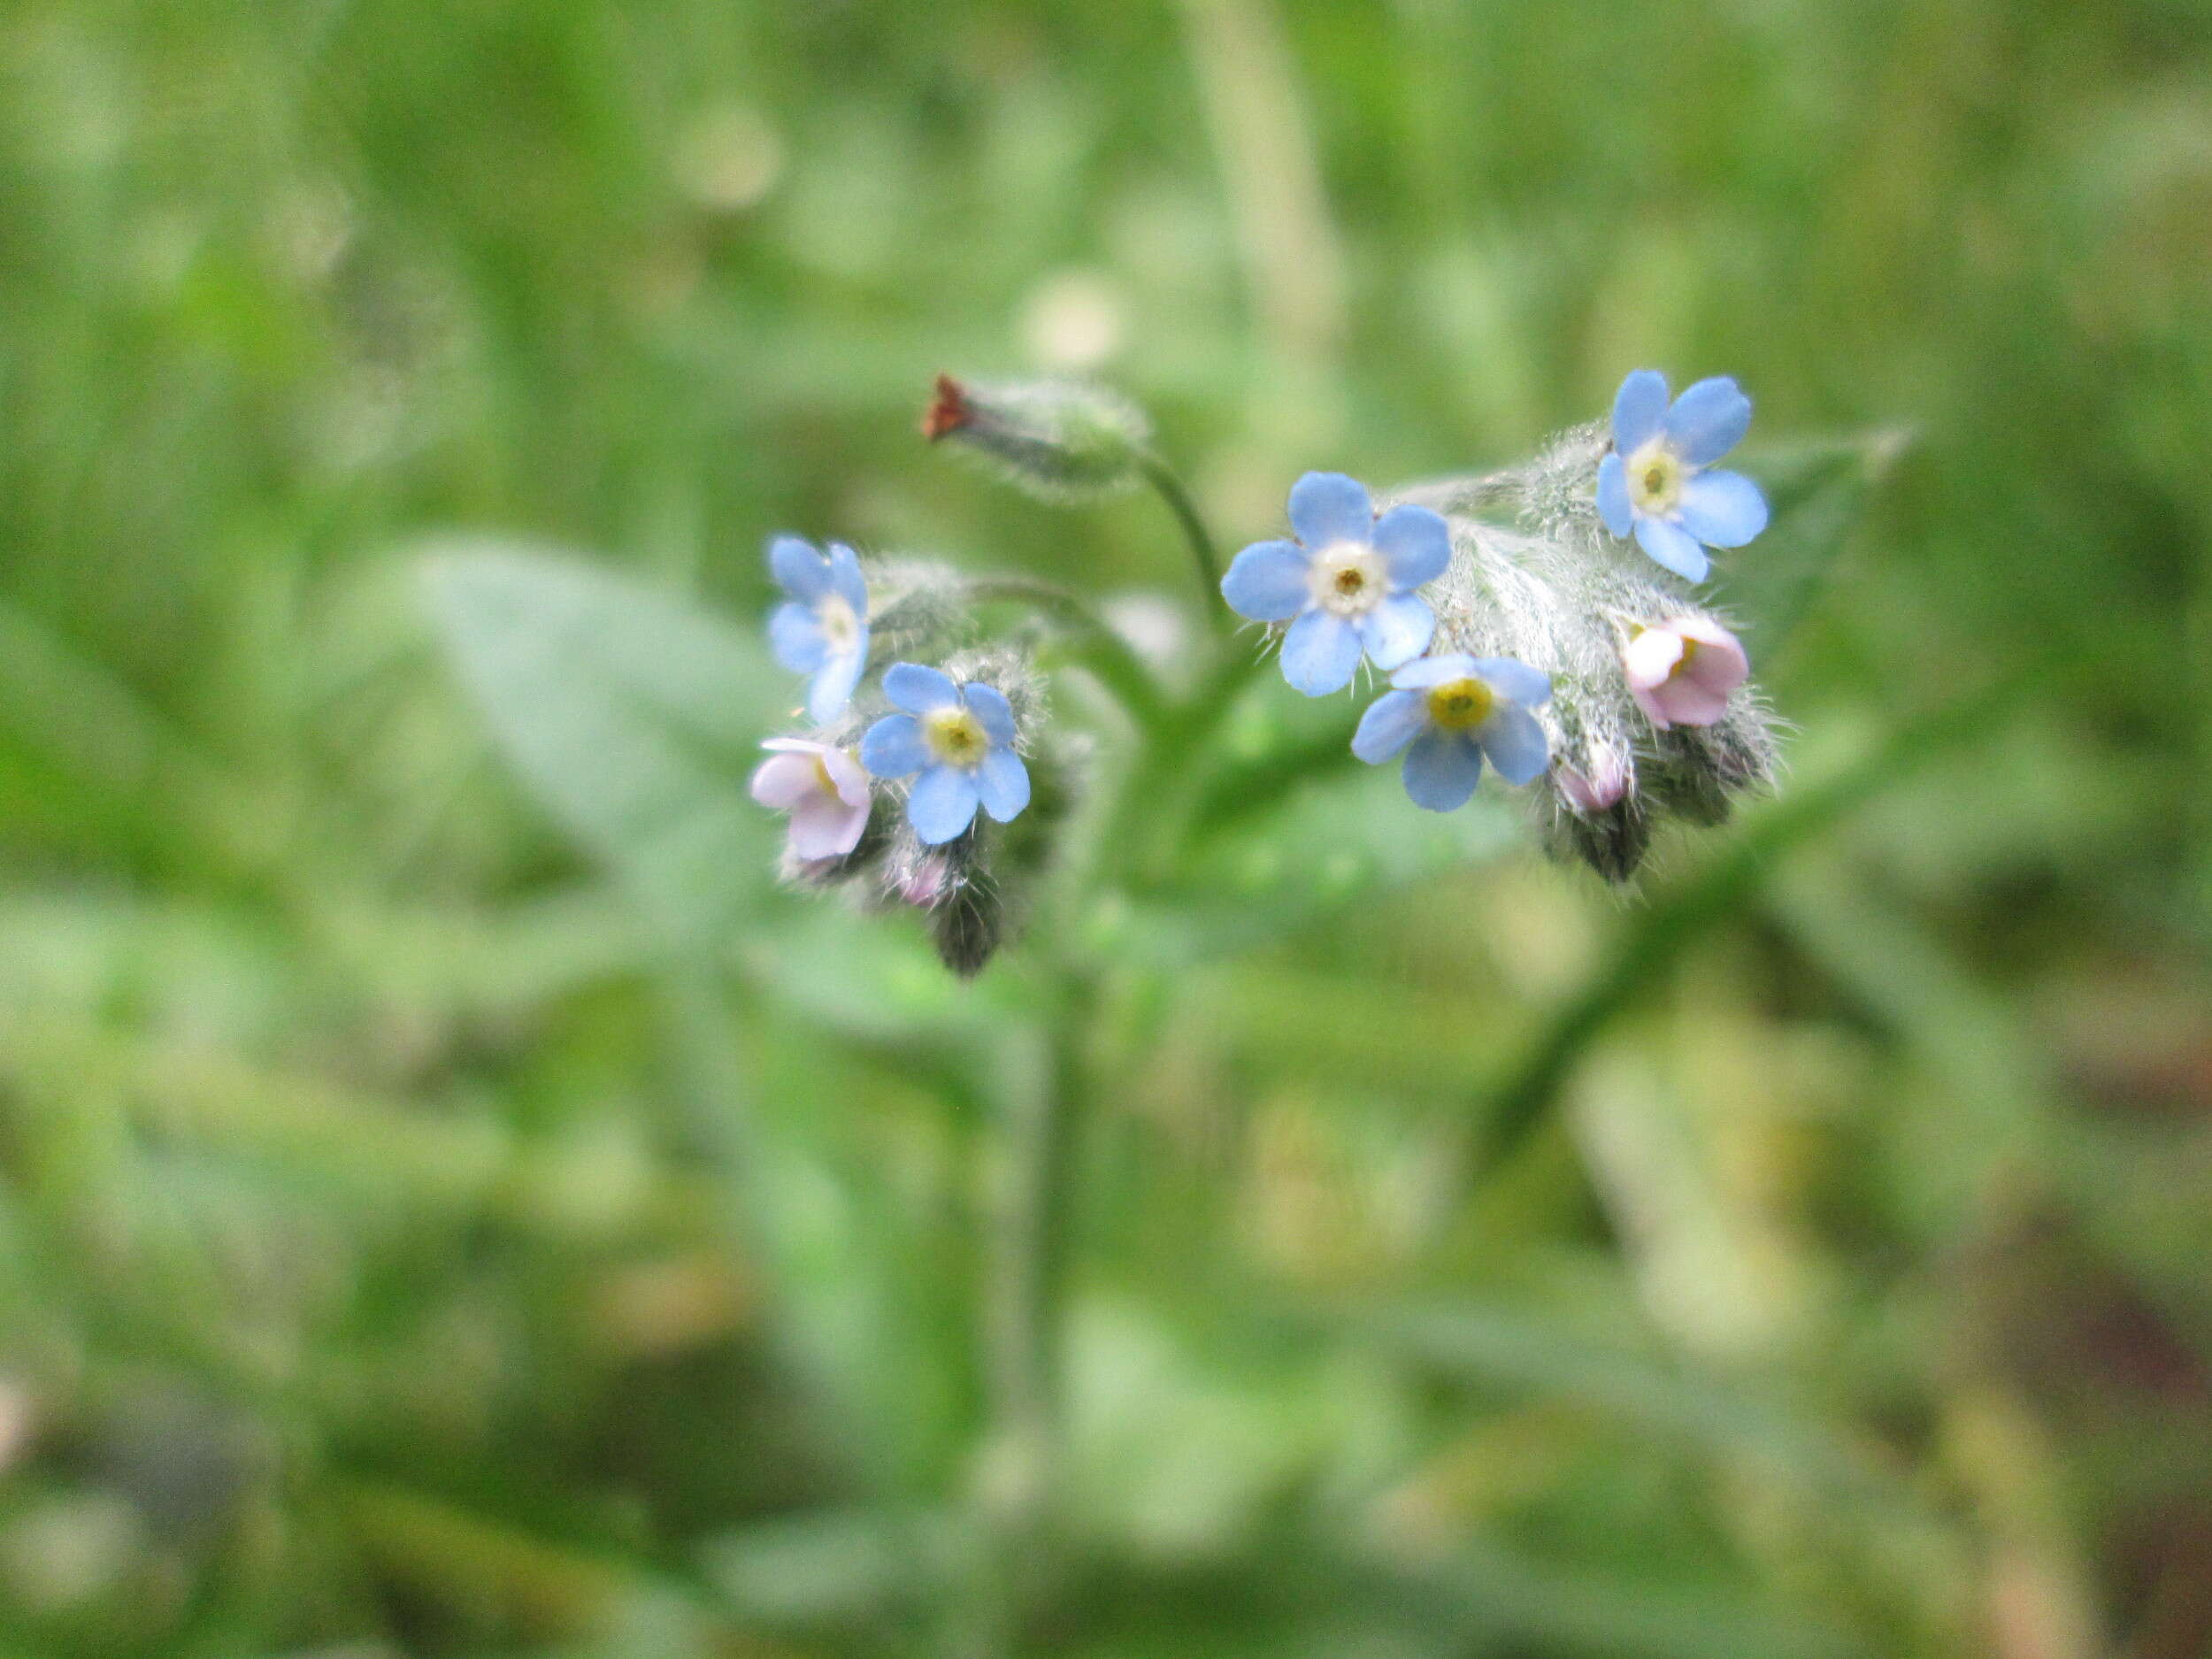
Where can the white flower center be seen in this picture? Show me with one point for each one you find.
(1655, 477)
(839, 626)
(956, 737)
(1347, 579)
(1458, 705)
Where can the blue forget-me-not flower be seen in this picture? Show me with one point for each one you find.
(960, 738)
(1346, 585)
(822, 629)
(1655, 484)
(1447, 713)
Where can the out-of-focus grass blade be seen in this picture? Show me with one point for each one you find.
(1815, 495)
(1496, 1345)
(634, 717)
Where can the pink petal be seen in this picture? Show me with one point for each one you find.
(784, 780)
(1719, 664)
(849, 775)
(794, 746)
(1649, 657)
(823, 827)
(1686, 703)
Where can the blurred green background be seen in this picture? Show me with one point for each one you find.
(389, 1266)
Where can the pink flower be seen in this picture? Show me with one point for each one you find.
(1607, 782)
(824, 790)
(1680, 672)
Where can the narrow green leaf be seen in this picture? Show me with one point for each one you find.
(1817, 494)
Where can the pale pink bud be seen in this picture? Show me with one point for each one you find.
(1607, 782)
(822, 788)
(925, 884)
(1680, 672)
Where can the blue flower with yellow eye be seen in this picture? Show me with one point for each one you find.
(1346, 585)
(1655, 484)
(960, 738)
(1447, 714)
(822, 629)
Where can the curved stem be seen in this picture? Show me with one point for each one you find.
(1169, 488)
(1107, 654)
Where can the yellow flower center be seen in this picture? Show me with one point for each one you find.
(1656, 476)
(956, 737)
(823, 781)
(1458, 704)
(1347, 579)
(839, 626)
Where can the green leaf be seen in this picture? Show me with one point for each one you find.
(1332, 841)
(634, 718)
(1815, 494)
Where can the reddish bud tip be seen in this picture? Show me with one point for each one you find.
(948, 413)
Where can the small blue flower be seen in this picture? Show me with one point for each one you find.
(1346, 585)
(1654, 481)
(822, 629)
(1454, 710)
(960, 738)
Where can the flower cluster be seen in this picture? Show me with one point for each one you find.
(935, 743)
(1651, 688)
(1538, 622)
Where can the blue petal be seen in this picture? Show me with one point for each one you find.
(1722, 509)
(1639, 408)
(1673, 547)
(895, 747)
(1613, 495)
(1433, 671)
(1392, 721)
(834, 683)
(1515, 742)
(844, 577)
(1319, 653)
(1441, 770)
(1003, 782)
(1327, 507)
(918, 689)
(1397, 630)
(1708, 420)
(988, 705)
(1267, 581)
(1520, 683)
(1415, 543)
(804, 572)
(796, 636)
(943, 803)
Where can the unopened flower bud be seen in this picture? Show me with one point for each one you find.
(1058, 440)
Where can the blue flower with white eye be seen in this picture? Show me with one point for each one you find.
(1346, 585)
(1451, 712)
(1656, 482)
(822, 629)
(960, 738)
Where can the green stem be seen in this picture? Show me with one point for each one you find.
(1169, 488)
(1026, 1315)
(1108, 655)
